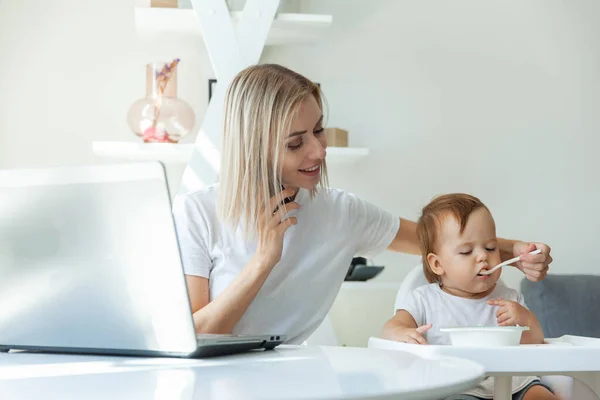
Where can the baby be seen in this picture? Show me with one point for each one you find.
(458, 241)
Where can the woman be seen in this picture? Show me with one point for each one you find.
(267, 249)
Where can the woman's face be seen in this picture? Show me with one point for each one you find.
(305, 147)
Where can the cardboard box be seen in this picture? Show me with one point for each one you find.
(336, 137)
(164, 3)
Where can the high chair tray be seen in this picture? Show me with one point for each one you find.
(565, 354)
(575, 356)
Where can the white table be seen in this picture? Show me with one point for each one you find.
(573, 356)
(288, 372)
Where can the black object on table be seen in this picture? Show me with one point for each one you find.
(360, 271)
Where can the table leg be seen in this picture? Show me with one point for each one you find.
(502, 387)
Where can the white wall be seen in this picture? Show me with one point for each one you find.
(497, 98)
(69, 71)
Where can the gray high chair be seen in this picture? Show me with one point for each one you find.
(563, 304)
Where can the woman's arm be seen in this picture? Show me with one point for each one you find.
(406, 238)
(223, 313)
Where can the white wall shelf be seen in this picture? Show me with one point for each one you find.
(285, 29)
(181, 153)
(165, 152)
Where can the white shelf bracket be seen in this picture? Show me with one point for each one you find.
(229, 51)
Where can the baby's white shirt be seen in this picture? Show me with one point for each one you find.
(429, 304)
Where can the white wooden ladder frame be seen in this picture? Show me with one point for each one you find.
(230, 50)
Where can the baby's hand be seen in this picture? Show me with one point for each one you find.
(412, 335)
(510, 313)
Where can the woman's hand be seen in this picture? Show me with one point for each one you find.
(534, 266)
(272, 228)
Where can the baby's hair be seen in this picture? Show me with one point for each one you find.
(457, 205)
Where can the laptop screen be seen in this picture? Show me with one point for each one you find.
(89, 259)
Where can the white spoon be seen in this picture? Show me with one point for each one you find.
(507, 262)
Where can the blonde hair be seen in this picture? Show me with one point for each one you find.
(458, 205)
(260, 104)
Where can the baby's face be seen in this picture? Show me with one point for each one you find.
(464, 256)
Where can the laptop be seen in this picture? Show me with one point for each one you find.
(90, 264)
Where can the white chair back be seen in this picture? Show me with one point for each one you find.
(413, 280)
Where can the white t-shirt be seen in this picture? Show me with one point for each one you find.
(332, 228)
(429, 304)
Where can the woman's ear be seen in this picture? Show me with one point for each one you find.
(435, 264)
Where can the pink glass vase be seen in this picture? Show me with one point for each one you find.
(161, 117)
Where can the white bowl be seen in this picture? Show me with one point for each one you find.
(485, 336)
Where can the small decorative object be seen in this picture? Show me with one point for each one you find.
(161, 117)
(336, 137)
(164, 3)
